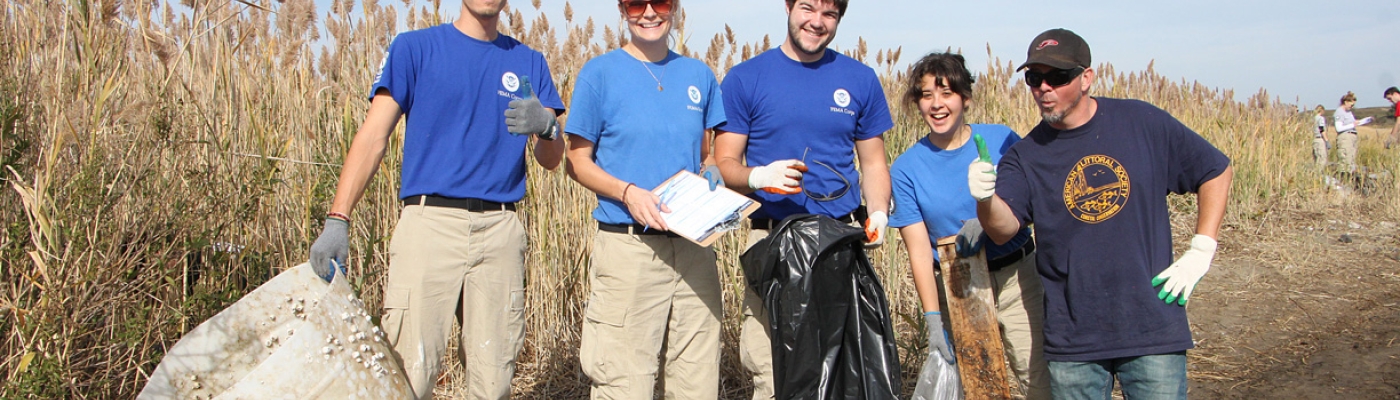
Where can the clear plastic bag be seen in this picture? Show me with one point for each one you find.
(938, 380)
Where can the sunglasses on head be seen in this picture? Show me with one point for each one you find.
(1055, 77)
(635, 8)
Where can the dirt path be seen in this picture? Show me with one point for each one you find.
(1300, 306)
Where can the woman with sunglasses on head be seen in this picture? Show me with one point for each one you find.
(639, 115)
(930, 203)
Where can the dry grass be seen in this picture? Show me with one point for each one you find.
(158, 164)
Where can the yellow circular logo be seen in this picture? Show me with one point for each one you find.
(1096, 189)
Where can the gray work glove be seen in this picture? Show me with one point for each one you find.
(938, 338)
(528, 117)
(970, 238)
(334, 244)
(711, 173)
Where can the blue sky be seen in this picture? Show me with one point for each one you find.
(1307, 52)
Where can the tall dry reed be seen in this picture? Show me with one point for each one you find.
(162, 159)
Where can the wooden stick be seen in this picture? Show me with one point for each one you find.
(971, 310)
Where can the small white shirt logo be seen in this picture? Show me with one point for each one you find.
(694, 94)
(510, 81)
(842, 97)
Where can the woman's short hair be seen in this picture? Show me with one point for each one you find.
(952, 70)
(1320, 108)
(1349, 97)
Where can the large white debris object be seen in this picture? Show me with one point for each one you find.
(294, 337)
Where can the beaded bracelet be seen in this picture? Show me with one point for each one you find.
(339, 216)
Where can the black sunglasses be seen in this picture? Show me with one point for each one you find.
(1055, 77)
(635, 8)
(818, 196)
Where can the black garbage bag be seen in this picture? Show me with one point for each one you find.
(827, 313)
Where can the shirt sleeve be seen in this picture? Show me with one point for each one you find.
(875, 116)
(585, 119)
(1193, 160)
(545, 90)
(1013, 187)
(1344, 121)
(397, 73)
(738, 114)
(906, 204)
(714, 110)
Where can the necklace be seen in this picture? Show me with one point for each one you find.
(653, 75)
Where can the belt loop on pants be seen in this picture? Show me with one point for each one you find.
(469, 204)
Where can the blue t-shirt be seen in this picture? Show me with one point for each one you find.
(454, 90)
(639, 134)
(788, 108)
(1097, 195)
(928, 189)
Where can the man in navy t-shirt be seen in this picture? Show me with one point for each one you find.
(458, 251)
(796, 114)
(1093, 178)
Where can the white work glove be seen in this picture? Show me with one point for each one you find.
(981, 180)
(1182, 276)
(779, 177)
(937, 337)
(875, 226)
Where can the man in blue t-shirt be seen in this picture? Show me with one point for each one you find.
(796, 114)
(1092, 177)
(458, 251)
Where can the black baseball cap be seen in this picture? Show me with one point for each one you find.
(1058, 48)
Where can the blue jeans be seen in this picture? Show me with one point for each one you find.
(1153, 377)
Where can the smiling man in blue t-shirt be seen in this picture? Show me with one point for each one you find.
(796, 114)
(1093, 178)
(458, 251)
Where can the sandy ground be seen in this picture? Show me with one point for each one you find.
(1301, 305)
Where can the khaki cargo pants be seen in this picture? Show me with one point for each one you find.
(652, 294)
(1319, 147)
(445, 264)
(1021, 314)
(1346, 150)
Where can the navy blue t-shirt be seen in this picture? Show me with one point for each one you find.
(454, 90)
(1098, 197)
(814, 112)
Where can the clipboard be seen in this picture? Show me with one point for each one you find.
(699, 214)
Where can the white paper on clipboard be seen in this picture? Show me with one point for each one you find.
(697, 213)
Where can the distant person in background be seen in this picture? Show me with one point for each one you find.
(1320, 144)
(1393, 95)
(640, 115)
(930, 204)
(1346, 124)
(1092, 181)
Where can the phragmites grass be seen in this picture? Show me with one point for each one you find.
(162, 159)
